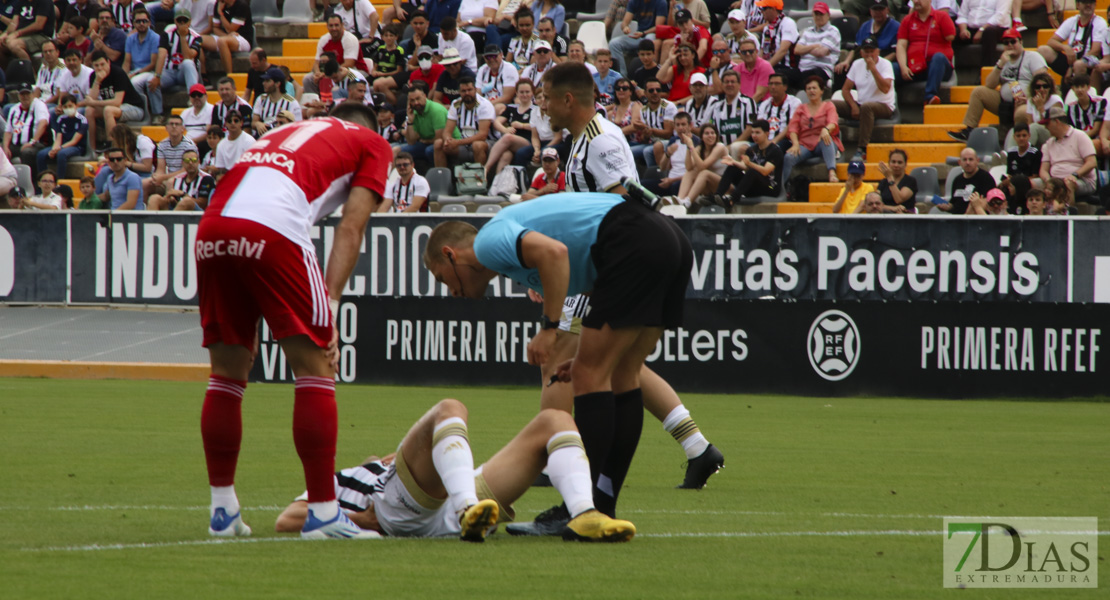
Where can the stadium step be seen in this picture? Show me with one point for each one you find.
(1043, 35)
(298, 47)
(960, 94)
(918, 153)
(295, 63)
(922, 133)
(953, 114)
(985, 71)
(872, 168)
(793, 208)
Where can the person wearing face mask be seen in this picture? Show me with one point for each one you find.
(423, 70)
(70, 134)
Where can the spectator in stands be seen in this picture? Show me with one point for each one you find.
(86, 9)
(386, 127)
(170, 152)
(425, 120)
(656, 124)
(897, 189)
(474, 16)
(233, 28)
(685, 31)
(142, 63)
(754, 71)
(780, 33)
(454, 70)
(188, 190)
(233, 146)
(361, 19)
(757, 173)
(1086, 113)
(426, 71)
(1023, 158)
(1058, 200)
(1077, 44)
(70, 137)
(648, 69)
(1043, 98)
(343, 44)
(449, 39)
(46, 199)
(973, 180)
(983, 22)
(738, 31)
(389, 59)
(925, 48)
(550, 179)
(197, 116)
(542, 60)
(259, 65)
(625, 110)
(674, 159)
(677, 72)
(818, 47)
(560, 45)
(421, 37)
(515, 127)
(356, 92)
(472, 114)
(992, 204)
(649, 14)
(111, 96)
(75, 35)
(873, 77)
(76, 77)
(138, 150)
(88, 192)
(1069, 155)
(851, 197)
(551, 9)
(407, 192)
(576, 52)
(214, 136)
(108, 38)
(814, 129)
(182, 54)
(267, 107)
(497, 79)
(734, 115)
(117, 185)
(543, 136)
(400, 11)
(881, 27)
(777, 109)
(31, 28)
(284, 118)
(123, 12)
(719, 64)
(860, 8)
(605, 77)
(1016, 189)
(523, 45)
(439, 10)
(704, 165)
(873, 205)
(701, 107)
(1035, 203)
(46, 88)
(27, 126)
(229, 101)
(1007, 87)
(9, 179)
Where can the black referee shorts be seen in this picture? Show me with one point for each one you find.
(643, 263)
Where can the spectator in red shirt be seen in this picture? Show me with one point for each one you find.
(686, 31)
(550, 179)
(925, 48)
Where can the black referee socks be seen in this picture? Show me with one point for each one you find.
(628, 413)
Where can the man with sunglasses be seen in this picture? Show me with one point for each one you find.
(754, 71)
(188, 190)
(233, 146)
(409, 191)
(143, 62)
(1007, 84)
(719, 63)
(181, 47)
(119, 186)
(543, 58)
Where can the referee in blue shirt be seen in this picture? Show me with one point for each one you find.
(635, 265)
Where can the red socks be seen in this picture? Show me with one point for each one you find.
(221, 427)
(315, 429)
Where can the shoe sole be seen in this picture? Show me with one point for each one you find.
(612, 533)
(683, 485)
(231, 532)
(321, 535)
(475, 525)
(533, 530)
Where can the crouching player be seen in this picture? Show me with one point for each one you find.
(430, 488)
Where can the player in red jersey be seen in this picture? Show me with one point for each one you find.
(255, 259)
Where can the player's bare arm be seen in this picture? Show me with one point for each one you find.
(550, 258)
(344, 254)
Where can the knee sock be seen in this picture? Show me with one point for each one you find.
(315, 428)
(570, 471)
(628, 416)
(454, 462)
(685, 431)
(593, 415)
(221, 428)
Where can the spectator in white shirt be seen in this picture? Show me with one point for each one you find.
(818, 47)
(983, 22)
(46, 88)
(451, 37)
(1077, 43)
(47, 199)
(233, 146)
(198, 116)
(473, 115)
(872, 76)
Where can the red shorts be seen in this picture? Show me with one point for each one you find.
(246, 270)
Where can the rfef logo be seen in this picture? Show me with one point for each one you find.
(834, 345)
(1021, 552)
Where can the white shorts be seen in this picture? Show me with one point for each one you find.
(574, 308)
(244, 45)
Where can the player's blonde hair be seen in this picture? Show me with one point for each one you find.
(449, 233)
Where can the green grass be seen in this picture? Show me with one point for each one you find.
(98, 463)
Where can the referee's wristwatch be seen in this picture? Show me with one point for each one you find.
(548, 323)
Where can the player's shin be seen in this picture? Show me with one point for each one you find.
(315, 429)
(454, 462)
(569, 470)
(221, 427)
(628, 413)
(685, 431)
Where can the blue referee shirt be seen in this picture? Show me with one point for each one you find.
(571, 218)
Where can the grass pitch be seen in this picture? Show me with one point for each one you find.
(104, 494)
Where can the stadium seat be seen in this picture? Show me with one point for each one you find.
(264, 10)
(592, 34)
(804, 23)
(984, 140)
(848, 26)
(601, 9)
(452, 208)
(485, 208)
(440, 181)
(998, 172)
(23, 177)
(712, 209)
(296, 11)
(806, 9)
(950, 181)
(18, 72)
(927, 183)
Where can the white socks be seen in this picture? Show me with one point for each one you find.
(569, 470)
(224, 497)
(685, 431)
(454, 462)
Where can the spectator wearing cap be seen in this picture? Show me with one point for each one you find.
(550, 180)
(779, 36)
(451, 39)
(229, 101)
(606, 77)
(543, 58)
(198, 115)
(882, 27)
(1077, 44)
(182, 54)
(685, 31)
(26, 133)
(424, 120)
(340, 42)
(559, 44)
(818, 47)
(473, 115)
(454, 69)
(983, 22)
(1007, 87)
(425, 70)
(993, 204)
(738, 31)
(233, 28)
(267, 107)
(497, 79)
(925, 48)
(143, 62)
(872, 77)
(1069, 155)
(701, 107)
(71, 132)
(284, 117)
(649, 14)
(851, 197)
(754, 71)
(233, 146)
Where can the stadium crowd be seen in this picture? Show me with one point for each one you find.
(722, 102)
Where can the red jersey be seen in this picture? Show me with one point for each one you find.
(542, 180)
(337, 47)
(926, 38)
(297, 174)
(431, 77)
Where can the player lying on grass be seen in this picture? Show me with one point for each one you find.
(430, 488)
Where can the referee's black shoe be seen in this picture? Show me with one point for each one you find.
(699, 469)
(550, 522)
